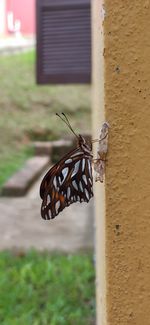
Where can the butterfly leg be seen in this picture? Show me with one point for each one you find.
(99, 140)
(99, 159)
(96, 140)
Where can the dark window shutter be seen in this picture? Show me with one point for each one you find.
(63, 41)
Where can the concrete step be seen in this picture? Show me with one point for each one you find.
(20, 182)
(56, 149)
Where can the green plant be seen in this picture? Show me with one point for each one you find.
(44, 289)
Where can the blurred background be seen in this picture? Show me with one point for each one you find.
(46, 268)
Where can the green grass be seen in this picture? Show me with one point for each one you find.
(27, 108)
(40, 289)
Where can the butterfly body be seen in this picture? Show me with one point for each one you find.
(69, 180)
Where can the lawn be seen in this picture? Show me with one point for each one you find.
(40, 289)
(28, 111)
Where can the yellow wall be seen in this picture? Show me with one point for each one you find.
(127, 100)
(126, 211)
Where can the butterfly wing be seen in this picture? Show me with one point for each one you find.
(49, 175)
(69, 181)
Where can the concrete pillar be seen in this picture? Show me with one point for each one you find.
(121, 95)
(98, 119)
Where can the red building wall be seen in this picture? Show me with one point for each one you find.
(23, 10)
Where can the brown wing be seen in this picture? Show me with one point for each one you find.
(69, 181)
(52, 171)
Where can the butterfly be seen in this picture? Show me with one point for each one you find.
(70, 180)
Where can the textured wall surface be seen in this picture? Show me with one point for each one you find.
(127, 104)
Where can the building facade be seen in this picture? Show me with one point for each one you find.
(17, 16)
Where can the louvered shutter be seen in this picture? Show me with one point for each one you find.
(63, 41)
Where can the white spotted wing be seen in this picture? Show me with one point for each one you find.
(68, 181)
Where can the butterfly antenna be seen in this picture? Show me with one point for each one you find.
(66, 121)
